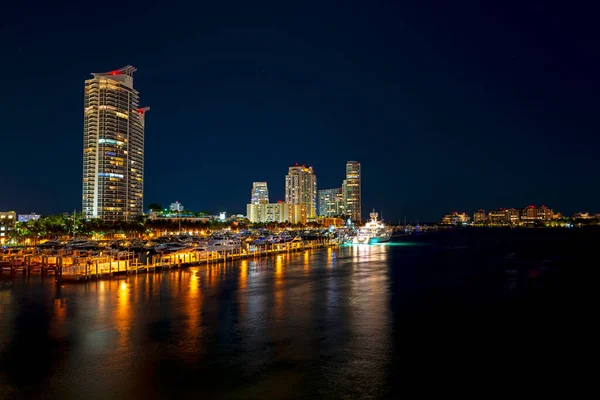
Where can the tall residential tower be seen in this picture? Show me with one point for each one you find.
(301, 190)
(113, 147)
(351, 188)
(260, 193)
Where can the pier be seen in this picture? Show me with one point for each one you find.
(81, 267)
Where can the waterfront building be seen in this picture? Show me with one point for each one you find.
(113, 147)
(260, 193)
(352, 191)
(28, 217)
(582, 215)
(331, 202)
(8, 221)
(532, 213)
(264, 213)
(479, 217)
(177, 206)
(456, 219)
(499, 217)
(301, 189)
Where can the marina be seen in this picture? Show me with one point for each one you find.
(83, 265)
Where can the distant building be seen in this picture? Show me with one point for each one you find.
(301, 189)
(331, 202)
(28, 217)
(582, 215)
(479, 217)
(504, 216)
(513, 216)
(456, 219)
(8, 221)
(352, 191)
(177, 206)
(260, 193)
(532, 213)
(113, 147)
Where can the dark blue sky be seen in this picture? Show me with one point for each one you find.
(447, 106)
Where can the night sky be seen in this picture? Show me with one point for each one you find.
(448, 106)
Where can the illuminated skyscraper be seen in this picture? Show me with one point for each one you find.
(113, 147)
(351, 189)
(331, 202)
(301, 188)
(260, 193)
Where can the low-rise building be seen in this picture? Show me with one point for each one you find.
(582, 215)
(532, 213)
(456, 219)
(479, 217)
(267, 212)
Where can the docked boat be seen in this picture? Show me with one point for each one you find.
(218, 243)
(374, 231)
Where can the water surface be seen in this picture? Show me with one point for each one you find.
(350, 322)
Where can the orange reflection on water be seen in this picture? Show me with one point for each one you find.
(123, 313)
(193, 305)
(278, 290)
(243, 274)
(306, 262)
(59, 314)
(278, 270)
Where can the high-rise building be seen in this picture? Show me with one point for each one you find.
(351, 187)
(260, 193)
(301, 188)
(113, 147)
(330, 202)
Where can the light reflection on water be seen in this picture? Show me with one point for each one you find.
(315, 322)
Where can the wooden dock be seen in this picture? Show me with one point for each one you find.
(77, 268)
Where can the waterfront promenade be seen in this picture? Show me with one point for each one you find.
(80, 267)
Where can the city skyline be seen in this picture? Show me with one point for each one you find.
(455, 117)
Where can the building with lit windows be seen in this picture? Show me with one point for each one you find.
(301, 189)
(8, 221)
(352, 191)
(267, 212)
(532, 213)
(113, 147)
(456, 219)
(260, 193)
(331, 202)
(479, 217)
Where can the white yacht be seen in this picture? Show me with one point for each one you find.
(220, 243)
(374, 231)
